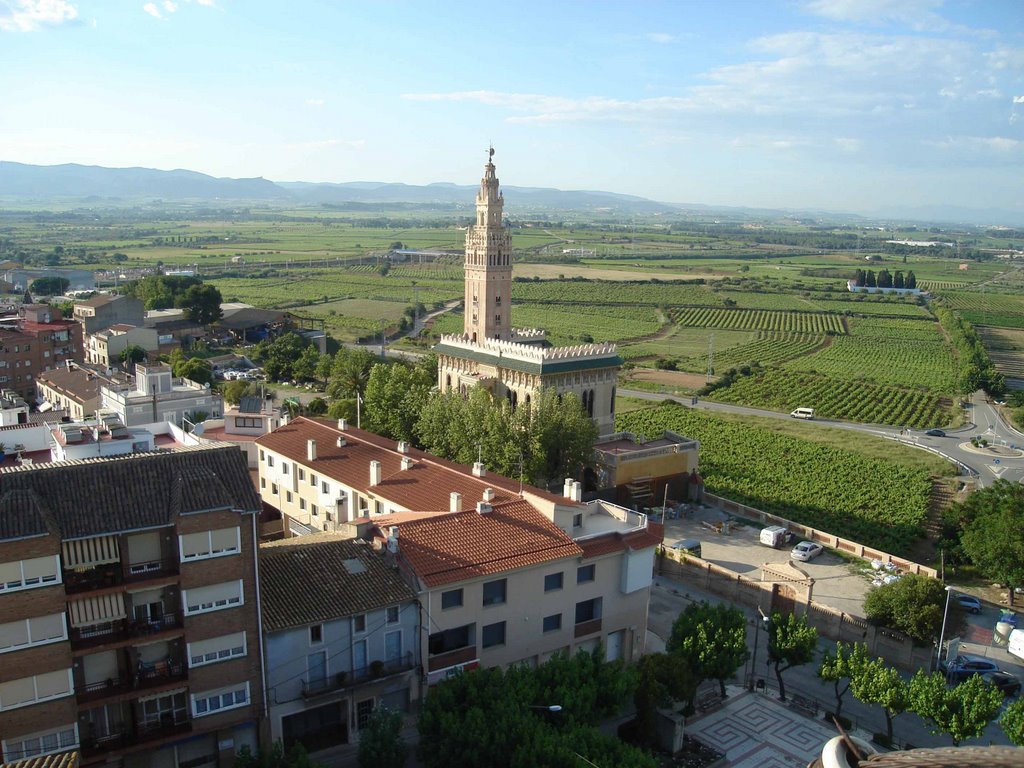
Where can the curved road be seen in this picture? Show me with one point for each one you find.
(985, 421)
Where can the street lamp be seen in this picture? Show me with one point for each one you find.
(547, 708)
(942, 634)
(757, 631)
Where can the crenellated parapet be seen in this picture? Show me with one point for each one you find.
(528, 352)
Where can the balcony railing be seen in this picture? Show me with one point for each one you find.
(374, 671)
(587, 628)
(146, 676)
(451, 658)
(123, 629)
(112, 575)
(151, 569)
(145, 732)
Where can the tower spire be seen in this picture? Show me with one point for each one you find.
(488, 264)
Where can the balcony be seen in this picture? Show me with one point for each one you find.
(151, 569)
(123, 630)
(451, 658)
(112, 575)
(146, 732)
(342, 680)
(585, 628)
(146, 678)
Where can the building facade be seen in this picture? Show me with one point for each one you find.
(73, 388)
(158, 396)
(129, 610)
(515, 363)
(37, 340)
(105, 310)
(105, 347)
(336, 648)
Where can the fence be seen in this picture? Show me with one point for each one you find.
(895, 647)
(811, 534)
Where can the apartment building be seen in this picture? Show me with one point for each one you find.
(74, 388)
(504, 572)
(129, 609)
(337, 647)
(105, 310)
(105, 347)
(37, 340)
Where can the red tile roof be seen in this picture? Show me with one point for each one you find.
(652, 536)
(455, 547)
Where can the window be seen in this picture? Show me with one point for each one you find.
(577, 520)
(28, 690)
(312, 479)
(263, 482)
(270, 460)
(164, 710)
(363, 711)
(216, 649)
(37, 630)
(207, 544)
(248, 422)
(207, 703)
(451, 599)
(43, 743)
(493, 634)
(392, 614)
(553, 581)
(553, 622)
(315, 511)
(494, 592)
(316, 634)
(585, 573)
(27, 574)
(273, 488)
(302, 474)
(302, 503)
(588, 610)
(288, 496)
(215, 597)
(263, 456)
(393, 645)
(325, 487)
(378, 507)
(452, 639)
(359, 623)
(284, 467)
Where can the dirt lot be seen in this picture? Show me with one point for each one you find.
(678, 379)
(836, 583)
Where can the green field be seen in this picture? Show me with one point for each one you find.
(812, 482)
(759, 320)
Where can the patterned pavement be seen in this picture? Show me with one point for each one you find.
(757, 731)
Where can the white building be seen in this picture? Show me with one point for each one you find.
(158, 396)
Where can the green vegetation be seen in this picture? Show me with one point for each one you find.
(873, 681)
(962, 712)
(49, 286)
(1012, 722)
(760, 320)
(815, 483)
(913, 604)
(791, 643)
(839, 666)
(711, 640)
(380, 740)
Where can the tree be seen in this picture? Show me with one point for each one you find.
(791, 643)
(395, 396)
(279, 356)
(875, 682)
(913, 604)
(234, 391)
(869, 279)
(898, 281)
(201, 304)
(49, 286)
(274, 757)
(350, 372)
(306, 366)
(911, 280)
(316, 407)
(195, 369)
(663, 678)
(842, 666)
(712, 640)
(380, 740)
(1012, 722)
(161, 291)
(963, 712)
(564, 435)
(990, 523)
(131, 355)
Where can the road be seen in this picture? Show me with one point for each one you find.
(985, 421)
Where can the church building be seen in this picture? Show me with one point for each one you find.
(510, 362)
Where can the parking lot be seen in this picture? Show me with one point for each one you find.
(836, 582)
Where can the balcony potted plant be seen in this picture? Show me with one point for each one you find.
(376, 667)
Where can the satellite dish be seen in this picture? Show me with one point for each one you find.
(198, 429)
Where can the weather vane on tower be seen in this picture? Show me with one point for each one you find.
(490, 153)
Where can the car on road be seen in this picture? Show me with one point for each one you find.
(1004, 681)
(969, 603)
(806, 550)
(935, 433)
(964, 666)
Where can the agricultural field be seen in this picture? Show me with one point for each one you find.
(1002, 310)
(767, 348)
(759, 320)
(685, 344)
(837, 398)
(604, 292)
(879, 502)
(1006, 351)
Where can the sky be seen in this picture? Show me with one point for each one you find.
(841, 105)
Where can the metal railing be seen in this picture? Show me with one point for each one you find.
(372, 671)
(123, 629)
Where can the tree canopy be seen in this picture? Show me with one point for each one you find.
(913, 604)
(201, 304)
(842, 665)
(963, 712)
(791, 643)
(194, 368)
(874, 682)
(380, 740)
(161, 291)
(711, 639)
(49, 286)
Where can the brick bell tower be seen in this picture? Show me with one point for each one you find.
(488, 265)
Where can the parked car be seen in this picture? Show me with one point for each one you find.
(969, 603)
(806, 550)
(935, 433)
(964, 666)
(1004, 681)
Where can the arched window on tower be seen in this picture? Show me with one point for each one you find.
(447, 382)
(515, 400)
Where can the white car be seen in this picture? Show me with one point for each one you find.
(806, 550)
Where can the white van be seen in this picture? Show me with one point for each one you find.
(803, 413)
(1016, 643)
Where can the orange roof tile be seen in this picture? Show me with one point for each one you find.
(455, 547)
(652, 536)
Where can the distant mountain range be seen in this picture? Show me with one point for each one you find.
(120, 185)
(96, 185)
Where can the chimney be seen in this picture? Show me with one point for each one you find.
(341, 441)
(567, 488)
(482, 507)
(455, 502)
(407, 462)
(375, 472)
(488, 494)
(403, 447)
(311, 450)
(342, 425)
(577, 491)
(478, 469)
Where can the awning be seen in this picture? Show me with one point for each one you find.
(161, 695)
(85, 553)
(98, 609)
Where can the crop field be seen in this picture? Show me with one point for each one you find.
(677, 342)
(869, 305)
(767, 348)
(759, 320)
(941, 285)
(775, 301)
(877, 502)
(997, 309)
(602, 292)
(835, 398)
(895, 328)
(1005, 348)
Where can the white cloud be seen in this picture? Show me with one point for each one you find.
(30, 15)
(876, 11)
(152, 10)
(315, 102)
(848, 145)
(661, 37)
(207, 3)
(1000, 144)
(170, 6)
(1018, 99)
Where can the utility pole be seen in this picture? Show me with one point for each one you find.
(711, 358)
